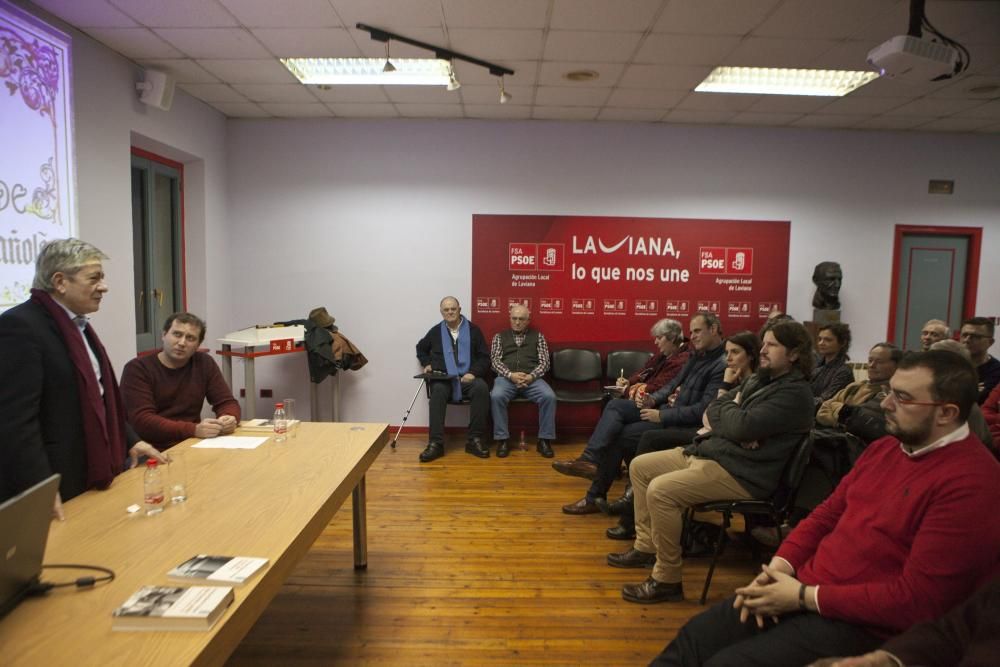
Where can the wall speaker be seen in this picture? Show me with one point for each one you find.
(156, 89)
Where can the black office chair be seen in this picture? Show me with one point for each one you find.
(583, 369)
(777, 508)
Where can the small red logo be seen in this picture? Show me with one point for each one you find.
(523, 256)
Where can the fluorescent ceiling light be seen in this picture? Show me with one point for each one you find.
(362, 71)
(778, 81)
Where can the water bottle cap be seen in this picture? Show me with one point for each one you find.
(278, 405)
(151, 463)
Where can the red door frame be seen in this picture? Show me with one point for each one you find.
(975, 236)
(153, 157)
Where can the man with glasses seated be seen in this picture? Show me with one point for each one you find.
(977, 336)
(901, 540)
(520, 357)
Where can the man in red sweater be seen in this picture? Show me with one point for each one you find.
(164, 393)
(901, 540)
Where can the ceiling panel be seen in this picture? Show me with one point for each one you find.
(648, 54)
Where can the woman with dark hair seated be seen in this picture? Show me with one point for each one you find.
(832, 372)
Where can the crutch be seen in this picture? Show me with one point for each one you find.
(408, 411)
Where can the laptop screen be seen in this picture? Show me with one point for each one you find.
(24, 529)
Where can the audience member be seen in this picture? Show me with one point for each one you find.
(455, 347)
(60, 406)
(164, 392)
(977, 419)
(742, 359)
(991, 411)
(977, 336)
(899, 542)
(932, 332)
(679, 406)
(520, 357)
(968, 635)
(832, 372)
(755, 428)
(658, 372)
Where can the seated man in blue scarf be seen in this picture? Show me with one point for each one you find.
(455, 347)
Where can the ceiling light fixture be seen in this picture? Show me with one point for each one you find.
(781, 81)
(504, 95)
(389, 67)
(368, 71)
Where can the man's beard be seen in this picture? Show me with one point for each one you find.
(914, 436)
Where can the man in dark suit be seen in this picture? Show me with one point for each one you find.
(455, 347)
(60, 409)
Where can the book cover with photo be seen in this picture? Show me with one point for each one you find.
(173, 608)
(218, 569)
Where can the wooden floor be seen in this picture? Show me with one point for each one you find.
(471, 562)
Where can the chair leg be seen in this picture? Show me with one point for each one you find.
(719, 543)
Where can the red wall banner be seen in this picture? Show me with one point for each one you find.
(607, 280)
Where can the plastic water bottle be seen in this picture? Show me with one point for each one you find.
(280, 423)
(152, 488)
(522, 444)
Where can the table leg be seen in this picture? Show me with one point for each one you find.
(227, 365)
(360, 527)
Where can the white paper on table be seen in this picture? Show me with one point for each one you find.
(230, 442)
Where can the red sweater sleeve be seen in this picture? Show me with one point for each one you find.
(218, 394)
(137, 394)
(991, 411)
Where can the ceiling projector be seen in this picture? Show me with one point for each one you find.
(914, 59)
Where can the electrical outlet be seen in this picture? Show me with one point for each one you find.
(266, 393)
(243, 392)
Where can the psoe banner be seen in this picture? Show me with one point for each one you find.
(606, 280)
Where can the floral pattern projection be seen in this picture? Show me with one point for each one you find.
(37, 199)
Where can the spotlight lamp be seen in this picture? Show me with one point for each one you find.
(389, 67)
(504, 95)
(453, 83)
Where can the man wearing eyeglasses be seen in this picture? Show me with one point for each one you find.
(899, 542)
(520, 357)
(977, 336)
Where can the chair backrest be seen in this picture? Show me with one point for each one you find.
(626, 362)
(576, 365)
(794, 470)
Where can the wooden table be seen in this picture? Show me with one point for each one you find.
(273, 501)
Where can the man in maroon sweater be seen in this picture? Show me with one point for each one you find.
(164, 393)
(901, 540)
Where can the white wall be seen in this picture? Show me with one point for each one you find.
(108, 120)
(372, 219)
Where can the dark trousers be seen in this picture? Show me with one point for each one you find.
(478, 395)
(716, 638)
(666, 438)
(618, 413)
(621, 450)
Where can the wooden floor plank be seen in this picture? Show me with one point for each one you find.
(472, 562)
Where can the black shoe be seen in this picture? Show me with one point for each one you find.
(477, 448)
(652, 591)
(620, 532)
(632, 558)
(623, 504)
(434, 450)
(544, 448)
(503, 449)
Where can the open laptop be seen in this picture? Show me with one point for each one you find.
(24, 529)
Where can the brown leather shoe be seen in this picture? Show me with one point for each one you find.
(582, 506)
(576, 468)
(632, 558)
(652, 591)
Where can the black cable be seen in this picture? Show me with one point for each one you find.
(43, 587)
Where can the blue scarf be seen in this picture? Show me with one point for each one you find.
(460, 367)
